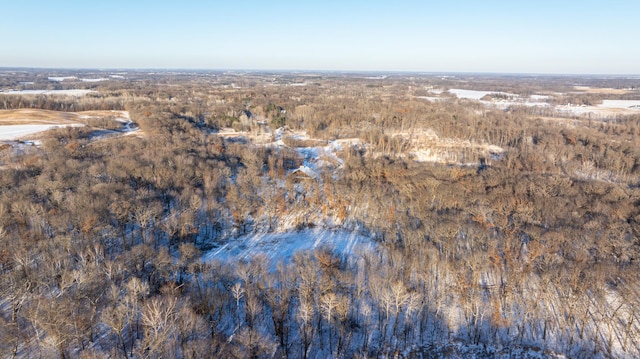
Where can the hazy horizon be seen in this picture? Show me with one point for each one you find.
(545, 37)
(313, 72)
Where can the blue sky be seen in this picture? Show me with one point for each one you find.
(509, 36)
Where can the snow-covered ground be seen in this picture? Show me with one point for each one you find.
(75, 92)
(13, 132)
(476, 95)
(539, 97)
(26, 122)
(605, 109)
(319, 154)
(432, 98)
(282, 246)
(94, 80)
(427, 146)
(501, 103)
(61, 78)
(620, 104)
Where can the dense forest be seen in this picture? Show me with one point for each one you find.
(520, 239)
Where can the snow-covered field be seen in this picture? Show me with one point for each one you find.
(21, 123)
(282, 246)
(606, 109)
(620, 104)
(539, 97)
(94, 80)
(13, 132)
(75, 92)
(432, 98)
(502, 103)
(476, 95)
(61, 78)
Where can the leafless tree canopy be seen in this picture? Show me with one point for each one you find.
(530, 248)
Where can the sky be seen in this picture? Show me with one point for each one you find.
(509, 36)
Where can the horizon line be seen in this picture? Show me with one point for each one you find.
(338, 71)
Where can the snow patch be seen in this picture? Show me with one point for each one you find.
(49, 92)
(282, 246)
(476, 95)
(94, 80)
(539, 97)
(61, 78)
(306, 171)
(432, 98)
(633, 104)
(13, 132)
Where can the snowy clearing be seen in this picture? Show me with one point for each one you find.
(75, 92)
(476, 95)
(61, 78)
(502, 100)
(427, 146)
(635, 104)
(94, 80)
(432, 98)
(13, 132)
(282, 246)
(606, 109)
(539, 97)
(316, 154)
(16, 124)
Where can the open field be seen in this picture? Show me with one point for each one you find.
(23, 123)
(606, 91)
(15, 132)
(75, 92)
(281, 247)
(36, 116)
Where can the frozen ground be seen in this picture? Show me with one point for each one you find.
(608, 108)
(620, 104)
(426, 146)
(48, 92)
(476, 95)
(13, 132)
(61, 78)
(22, 123)
(323, 154)
(282, 246)
(432, 98)
(502, 103)
(94, 80)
